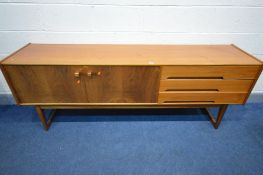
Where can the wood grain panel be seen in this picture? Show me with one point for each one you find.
(57, 84)
(206, 85)
(122, 84)
(202, 97)
(207, 72)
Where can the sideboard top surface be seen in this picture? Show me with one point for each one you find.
(98, 54)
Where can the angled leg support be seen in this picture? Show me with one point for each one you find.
(45, 122)
(216, 122)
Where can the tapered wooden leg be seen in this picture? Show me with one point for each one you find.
(46, 123)
(216, 122)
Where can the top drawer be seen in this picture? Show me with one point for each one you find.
(207, 72)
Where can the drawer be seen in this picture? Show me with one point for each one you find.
(208, 85)
(210, 72)
(201, 97)
(84, 84)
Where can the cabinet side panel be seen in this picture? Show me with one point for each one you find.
(10, 84)
(253, 84)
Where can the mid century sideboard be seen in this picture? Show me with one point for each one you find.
(55, 76)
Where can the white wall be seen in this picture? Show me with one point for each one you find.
(132, 21)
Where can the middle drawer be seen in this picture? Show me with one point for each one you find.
(205, 85)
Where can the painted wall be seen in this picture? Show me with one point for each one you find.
(131, 21)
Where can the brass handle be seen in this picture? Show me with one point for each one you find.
(93, 73)
(89, 74)
(76, 74)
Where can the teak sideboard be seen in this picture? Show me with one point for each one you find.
(130, 76)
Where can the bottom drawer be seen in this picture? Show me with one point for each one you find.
(201, 97)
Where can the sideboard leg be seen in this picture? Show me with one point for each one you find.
(45, 122)
(216, 122)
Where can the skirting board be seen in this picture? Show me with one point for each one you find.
(7, 99)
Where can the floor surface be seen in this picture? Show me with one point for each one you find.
(132, 142)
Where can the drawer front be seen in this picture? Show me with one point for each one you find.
(210, 85)
(84, 84)
(208, 72)
(201, 98)
(206, 84)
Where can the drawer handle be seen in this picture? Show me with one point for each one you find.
(213, 90)
(219, 78)
(173, 101)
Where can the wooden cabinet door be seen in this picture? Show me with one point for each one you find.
(84, 84)
(115, 84)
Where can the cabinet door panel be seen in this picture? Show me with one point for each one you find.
(59, 84)
(117, 84)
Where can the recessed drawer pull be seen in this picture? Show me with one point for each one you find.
(213, 90)
(189, 101)
(218, 78)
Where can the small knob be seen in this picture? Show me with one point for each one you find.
(89, 74)
(98, 73)
(76, 74)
